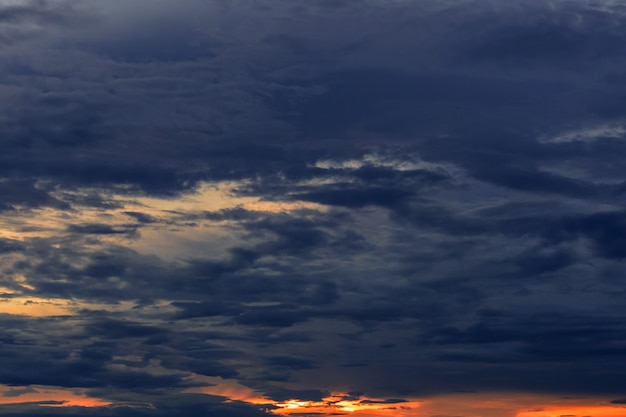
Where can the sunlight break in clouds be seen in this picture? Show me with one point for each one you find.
(340, 403)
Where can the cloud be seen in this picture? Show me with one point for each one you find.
(388, 198)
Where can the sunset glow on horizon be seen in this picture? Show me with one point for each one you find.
(338, 403)
(49, 397)
(468, 404)
(582, 411)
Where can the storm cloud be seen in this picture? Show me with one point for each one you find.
(213, 208)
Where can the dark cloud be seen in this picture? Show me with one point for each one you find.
(9, 245)
(167, 405)
(572, 37)
(95, 229)
(388, 401)
(116, 329)
(304, 395)
(140, 217)
(26, 193)
(396, 198)
(356, 198)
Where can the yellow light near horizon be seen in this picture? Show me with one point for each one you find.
(294, 404)
(336, 403)
(331, 404)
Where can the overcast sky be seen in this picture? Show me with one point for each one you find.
(243, 208)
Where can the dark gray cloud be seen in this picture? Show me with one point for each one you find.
(384, 197)
(167, 405)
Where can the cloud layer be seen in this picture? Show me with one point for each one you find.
(390, 199)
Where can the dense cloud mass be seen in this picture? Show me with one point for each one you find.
(215, 207)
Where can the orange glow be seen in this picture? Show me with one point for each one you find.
(465, 404)
(336, 403)
(519, 405)
(61, 397)
(342, 403)
(35, 307)
(580, 411)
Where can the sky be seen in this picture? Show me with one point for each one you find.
(368, 208)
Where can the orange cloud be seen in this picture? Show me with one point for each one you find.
(336, 403)
(341, 403)
(577, 411)
(519, 405)
(49, 397)
(465, 404)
